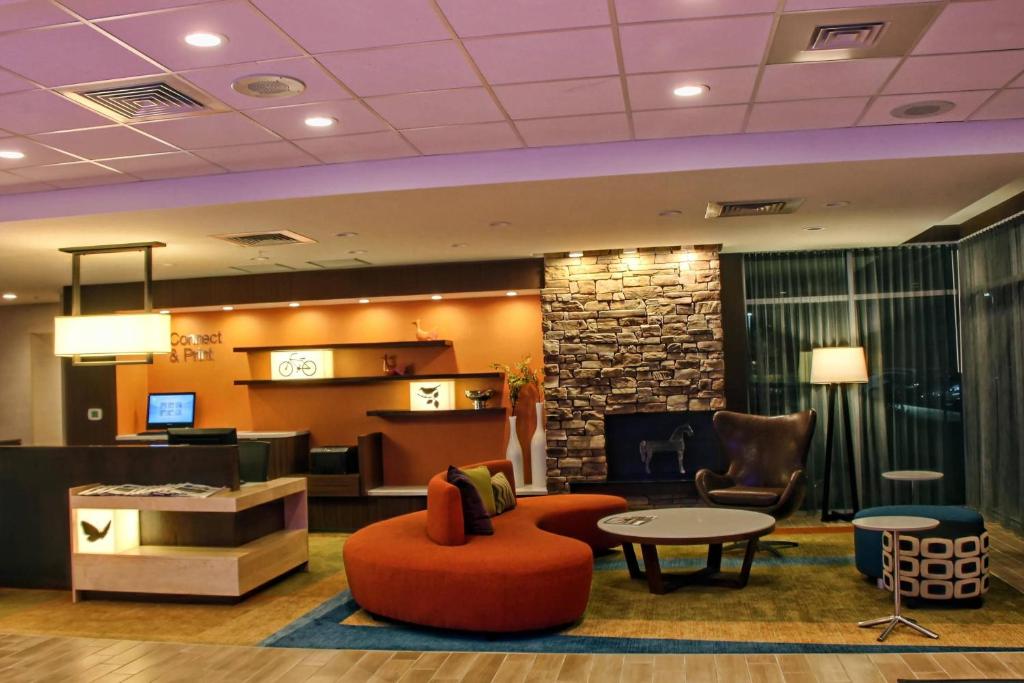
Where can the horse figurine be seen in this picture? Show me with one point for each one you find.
(676, 442)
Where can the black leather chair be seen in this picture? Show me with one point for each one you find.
(767, 458)
(253, 460)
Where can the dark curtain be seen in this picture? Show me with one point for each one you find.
(992, 304)
(900, 305)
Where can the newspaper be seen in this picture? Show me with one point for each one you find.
(166, 490)
(632, 520)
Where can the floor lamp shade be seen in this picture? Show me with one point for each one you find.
(112, 335)
(839, 365)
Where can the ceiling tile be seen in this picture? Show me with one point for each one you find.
(698, 44)
(213, 130)
(655, 10)
(35, 154)
(289, 122)
(545, 56)
(678, 123)
(966, 104)
(491, 17)
(38, 111)
(798, 5)
(366, 147)
(103, 143)
(975, 27)
(257, 157)
(98, 9)
(42, 56)
(79, 174)
(574, 130)
(803, 114)
(320, 86)
(475, 137)
(978, 71)
(329, 25)
(443, 107)
(31, 14)
(1008, 104)
(728, 86)
(811, 80)
(562, 98)
(11, 83)
(404, 68)
(161, 36)
(158, 166)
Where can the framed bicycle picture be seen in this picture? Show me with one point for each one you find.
(300, 364)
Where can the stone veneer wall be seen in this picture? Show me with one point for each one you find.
(624, 334)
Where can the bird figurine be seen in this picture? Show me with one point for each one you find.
(422, 334)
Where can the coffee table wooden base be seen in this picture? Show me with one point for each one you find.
(660, 583)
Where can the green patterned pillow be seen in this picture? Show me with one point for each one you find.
(481, 478)
(504, 494)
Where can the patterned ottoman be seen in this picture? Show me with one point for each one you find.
(949, 562)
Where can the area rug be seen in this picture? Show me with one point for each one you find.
(807, 601)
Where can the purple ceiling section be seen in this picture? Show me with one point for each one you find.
(410, 78)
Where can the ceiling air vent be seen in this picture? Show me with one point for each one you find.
(846, 36)
(259, 268)
(143, 100)
(270, 238)
(759, 207)
(333, 264)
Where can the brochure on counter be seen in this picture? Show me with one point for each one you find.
(165, 490)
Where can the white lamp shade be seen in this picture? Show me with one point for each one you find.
(839, 365)
(112, 335)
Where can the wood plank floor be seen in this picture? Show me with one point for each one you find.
(45, 658)
(42, 658)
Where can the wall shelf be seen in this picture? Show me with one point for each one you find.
(437, 343)
(461, 412)
(341, 381)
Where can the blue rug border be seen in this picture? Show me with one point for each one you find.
(321, 629)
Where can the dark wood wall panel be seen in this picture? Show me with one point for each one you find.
(351, 514)
(734, 331)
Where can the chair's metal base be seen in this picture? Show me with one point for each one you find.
(763, 546)
(892, 622)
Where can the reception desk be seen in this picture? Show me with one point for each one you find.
(34, 484)
(289, 451)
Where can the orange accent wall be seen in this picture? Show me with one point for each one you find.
(482, 331)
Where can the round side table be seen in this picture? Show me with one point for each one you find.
(913, 476)
(895, 525)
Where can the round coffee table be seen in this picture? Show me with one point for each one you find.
(895, 524)
(688, 526)
(913, 476)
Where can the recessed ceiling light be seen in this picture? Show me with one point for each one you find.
(294, 304)
(629, 252)
(10, 296)
(670, 213)
(500, 224)
(691, 90)
(459, 245)
(575, 254)
(203, 39)
(922, 110)
(511, 293)
(11, 154)
(227, 308)
(164, 311)
(837, 204)
(364, 301)
(357, 251)
(815, 228)
(321, 121)
(347, 234)
(436, 297)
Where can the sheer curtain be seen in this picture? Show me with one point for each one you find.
(992, 303)
(900, 305)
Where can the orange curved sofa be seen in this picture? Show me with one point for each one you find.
(533, 573)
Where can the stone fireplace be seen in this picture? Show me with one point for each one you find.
(626, 334)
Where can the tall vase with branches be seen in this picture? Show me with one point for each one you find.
(518, 376)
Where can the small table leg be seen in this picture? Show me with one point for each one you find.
(660, 583)
(652, 566)
(631, 563)
(897, 617)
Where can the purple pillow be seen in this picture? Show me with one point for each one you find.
(474, 515)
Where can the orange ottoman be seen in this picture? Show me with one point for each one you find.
(533, 573)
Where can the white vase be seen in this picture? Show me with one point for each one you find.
(539, 452)
(514, 452)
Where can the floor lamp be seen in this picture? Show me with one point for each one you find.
(836, 367)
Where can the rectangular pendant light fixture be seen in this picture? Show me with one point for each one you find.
(109, 339)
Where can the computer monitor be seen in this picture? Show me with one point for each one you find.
(219, 436)
(171, 410)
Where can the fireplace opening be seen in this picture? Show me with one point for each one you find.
(671, 446)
